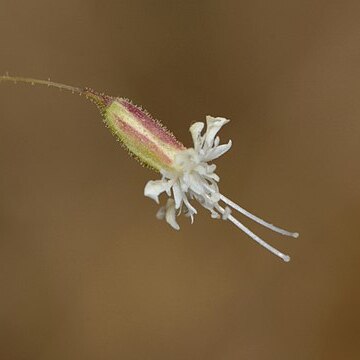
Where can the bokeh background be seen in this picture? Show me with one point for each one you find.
(87, 272)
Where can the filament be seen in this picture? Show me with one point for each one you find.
(260, 241)
(258, 220)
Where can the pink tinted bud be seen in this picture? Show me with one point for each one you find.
(144, 137)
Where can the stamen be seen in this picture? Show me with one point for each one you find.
(258, 220)
(260, 241)
(49, 83)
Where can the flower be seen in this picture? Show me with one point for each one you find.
(192, 177)
(187, 173)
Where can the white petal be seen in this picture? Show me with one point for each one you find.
(196, 130)
(217, 151)
(154, 188)
(170, 215)
(213, 176)
(191, 210)
(178, 195)
(213, 125)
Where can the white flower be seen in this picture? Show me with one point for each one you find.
(192, 177)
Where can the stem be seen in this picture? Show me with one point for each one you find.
(100, 100)
(48, 83)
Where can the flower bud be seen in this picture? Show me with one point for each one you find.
(144, 137)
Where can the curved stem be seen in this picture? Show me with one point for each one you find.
(48, 83)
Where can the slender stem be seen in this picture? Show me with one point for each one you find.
(48, 83)
(258, 220)
(100, 100)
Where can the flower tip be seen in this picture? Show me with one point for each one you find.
(196, 126)
(216, 120)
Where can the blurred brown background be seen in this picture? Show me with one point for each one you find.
(87, 272)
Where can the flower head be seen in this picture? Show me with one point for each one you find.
(193, 177)
(187, 174)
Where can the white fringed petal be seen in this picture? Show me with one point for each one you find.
(213, 125)
(154, 188)
(195, 130)
(170, 215)
(217, 151)
(178, 195)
